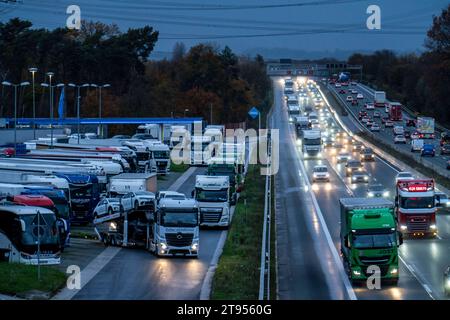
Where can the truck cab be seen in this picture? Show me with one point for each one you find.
(312, 144)
(213, 196)
(159, 157)
(369, 238)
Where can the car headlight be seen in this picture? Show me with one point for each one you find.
(386, 194)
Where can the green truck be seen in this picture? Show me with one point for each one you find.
(230, 170)
(369, 237)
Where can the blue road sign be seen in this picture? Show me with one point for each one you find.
(254, 112)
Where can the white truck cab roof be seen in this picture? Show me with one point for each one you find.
(187, 203)
(212, 182)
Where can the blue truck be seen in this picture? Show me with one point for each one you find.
(84, 196)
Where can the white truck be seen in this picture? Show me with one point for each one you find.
(201, 148)
(213, 195)
(132, 182)
(425, 127)
(177, 135)
(159, 157)
(173, 230)
(379, 98)
(312, 144)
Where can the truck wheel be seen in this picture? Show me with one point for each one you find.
(105, 240)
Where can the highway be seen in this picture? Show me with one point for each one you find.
(386, 134)
(422, 260)
(135, 274)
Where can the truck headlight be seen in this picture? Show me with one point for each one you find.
(386, 194)
(433, 226)
(194, 246)
(163, 246)
(403, 227)
(447, 283)
(394, 271)
(366, 178)
(370, 194)
(112, 226)
(356, 272)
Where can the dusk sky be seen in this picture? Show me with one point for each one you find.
(247, 26)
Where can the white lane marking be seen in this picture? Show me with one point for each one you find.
(182, 179)
(205, 291)
(416, 275)
(88, 273)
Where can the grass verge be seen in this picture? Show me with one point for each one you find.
(178, 167)
(18, 279)
(237, 274)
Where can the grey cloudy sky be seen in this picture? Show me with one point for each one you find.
(249, 25)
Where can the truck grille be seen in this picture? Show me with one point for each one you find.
(142, 156)
(179, 239)
(417, 224)
(210, 217)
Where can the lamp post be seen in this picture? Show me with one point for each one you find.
(73, 85)
(9, 84)
(49, 85)
(33, 71)
(100, 87)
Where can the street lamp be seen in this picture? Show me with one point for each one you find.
(73, 85)
(33, 71)
(100, 87)
(9, 84)
(49, 85)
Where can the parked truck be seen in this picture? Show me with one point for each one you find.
(369, 238)
(170, 231)
(132, 182)
(379, 99)
(425, 127)
(213, 196)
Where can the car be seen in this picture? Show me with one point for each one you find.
(416, 144)
(354, 102)
(108, 206)
(367, 155)
(407, 134)
(357, 146)
(338, 145)
(353, 91)
(447, 281)
(388, 124)
(166, 194)
(399, 138)
(352, 166)
(398, 130)
(360, 176)
(343, 157)
(441, 201)
(143, 136)
(337, 85)
(369, 123)
(404, 175)
(375, 127)
(415, 135)
(139, 200)
(377, 190)
(320, 173)
(384, 119)
(342, 91)
(328, 142)
(411, 123)
(365, 119)
(369, 106)
(377, 114)
(428, 150)
(121, 136)
(359, 96)
(353, 83)
(362, 114)
(349, 98)
(445, 148)
(386, 108)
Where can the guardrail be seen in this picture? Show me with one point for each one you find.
(264, 277)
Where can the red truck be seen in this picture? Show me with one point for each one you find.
(395, 111)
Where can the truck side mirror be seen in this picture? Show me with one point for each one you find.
(23, 226)
(400, 239)
(192, 193)
(347, 242)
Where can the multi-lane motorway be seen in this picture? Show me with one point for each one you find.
(308, 226)
(386, 134)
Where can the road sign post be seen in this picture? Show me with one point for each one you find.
(253, 113)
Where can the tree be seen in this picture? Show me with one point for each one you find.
(439, 34)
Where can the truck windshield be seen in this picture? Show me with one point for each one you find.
(372, 241)
(179, 219)
(211, 195)
(48, 234)
(77, 192)
(161, 154)
(416, 202)
(312, 142)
